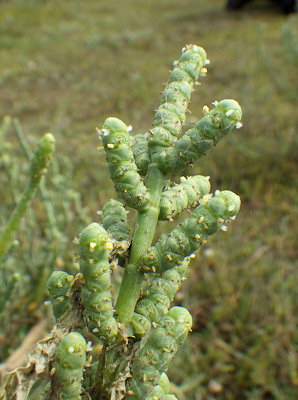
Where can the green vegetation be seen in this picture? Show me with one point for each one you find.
(39, 219)
(64, 67)
(130, 362)
(38, 166)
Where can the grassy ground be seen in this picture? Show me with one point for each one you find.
(66, 66)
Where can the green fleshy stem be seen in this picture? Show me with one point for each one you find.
(195, 143)
(179, 197)
(157, 298)
(58, 285)
(141, 152)
(157, 351)
(173, 105)
(193, 232)
(156, 394)
(144, 232)
(68, 367)
(95, 293)
(164, 382)
(114, 220)
(161, 389)
(39, 163)
(171, 114)
(123, 170)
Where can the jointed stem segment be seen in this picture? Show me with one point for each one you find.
(144, 233)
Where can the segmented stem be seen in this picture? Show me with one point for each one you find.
(179, 197)
(141, 152)
(68, 367)
(95, 293)
(123, 170)
(157, 298)
(114, 220)
(58, 285)
(39, 163)
(195, 143)
(156, 352)
(193, 232)
(171, 113)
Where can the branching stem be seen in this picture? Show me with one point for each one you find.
(143, 236)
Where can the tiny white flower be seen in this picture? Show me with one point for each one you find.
(205, 199)
(92, 246)
(105, 132)
(89, 346)
(205, 110)
(238, 125)
(204, 71)
(71, 349)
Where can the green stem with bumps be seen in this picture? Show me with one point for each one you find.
(39, 164)
(144, 233)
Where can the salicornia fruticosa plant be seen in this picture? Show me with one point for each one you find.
(101, 349)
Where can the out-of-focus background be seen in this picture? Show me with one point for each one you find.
(67, 65)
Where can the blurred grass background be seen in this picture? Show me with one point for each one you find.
(66, 66)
